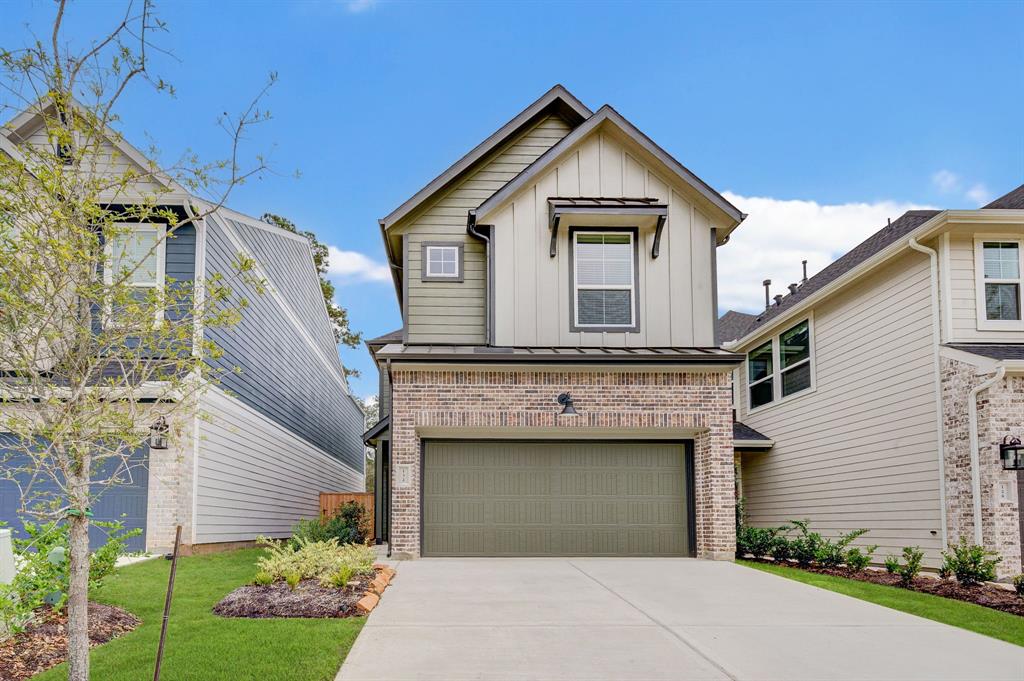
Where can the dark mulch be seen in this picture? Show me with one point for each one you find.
(44, 643)
(985, 595)
(309, 599)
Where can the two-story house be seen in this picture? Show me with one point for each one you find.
(556, 388)
(877, 393)
(279, 426)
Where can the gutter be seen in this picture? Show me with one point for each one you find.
(933, 257)
(972, 410)
(473, 230)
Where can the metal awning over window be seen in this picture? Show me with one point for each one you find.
(606, 211)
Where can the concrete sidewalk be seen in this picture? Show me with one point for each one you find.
(649, 619)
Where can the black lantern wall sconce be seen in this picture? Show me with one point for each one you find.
(158, 434)
(1011, 451)
(565, 399)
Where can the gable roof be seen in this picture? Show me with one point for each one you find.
(1013, 199)
(733, 325)
(874, 244)
(607, 114)
(556, 100)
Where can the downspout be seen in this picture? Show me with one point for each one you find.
(933, 256)
(471, 229)
(972, 409)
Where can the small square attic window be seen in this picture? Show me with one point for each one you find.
(442, 261)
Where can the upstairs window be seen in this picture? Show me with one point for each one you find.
(138, 253)
(604, 281)
(442, 261)
(999, 287)
(781, 367)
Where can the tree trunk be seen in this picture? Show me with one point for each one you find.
(78, 587)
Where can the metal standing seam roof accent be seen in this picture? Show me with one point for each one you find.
(999, 351)
(483, 354)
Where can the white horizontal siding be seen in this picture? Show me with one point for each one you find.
(256, 478)
(861, 449)
(963, 290)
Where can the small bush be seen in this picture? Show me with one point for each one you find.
(313, 560)
(349, 525)
(781, 549)
(293, 579)
(263, 579)
(892, 564)
(342, 577)
(970, 563)
(832, 554)
(805, 546)
(912, 557)
(944, 571)
(1018, 585)
(755, 541)
(857, 558)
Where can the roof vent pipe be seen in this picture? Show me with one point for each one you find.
(804, 280)
(778, 299)
(767, 294)
(793, 288)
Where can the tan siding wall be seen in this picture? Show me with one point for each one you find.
(861, 449)
(449, 312)
(532, 290)
(963, 292)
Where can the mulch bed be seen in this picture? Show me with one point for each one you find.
(309, 599)
(985, 595)
(44, 643)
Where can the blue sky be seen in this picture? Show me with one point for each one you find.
(819, 119)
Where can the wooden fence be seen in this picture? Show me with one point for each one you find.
(330, 502)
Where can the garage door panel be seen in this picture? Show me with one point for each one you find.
(549, 498)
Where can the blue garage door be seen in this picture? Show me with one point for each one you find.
(125, 502)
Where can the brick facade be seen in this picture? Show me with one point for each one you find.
(171, 473)
(1000, 413)
(521, 403)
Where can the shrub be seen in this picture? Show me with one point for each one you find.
(857, 559)
(350, 524)
(313, 560)
(42, 577)
(970, 563)
(781, 549)
(1018, 585)
(831, 554)
(912, 557)
(293, 579)
(755, 541)
(892, 564)
(342, 577)
(944, 571)
(263, 579)
(805, 546)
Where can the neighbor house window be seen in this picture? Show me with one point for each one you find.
(780, 367)
(604, 281)
(999, 263)
(442, 262)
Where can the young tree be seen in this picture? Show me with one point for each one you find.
(91, 357)
(343, 332)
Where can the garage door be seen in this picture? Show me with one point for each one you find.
(556, 499)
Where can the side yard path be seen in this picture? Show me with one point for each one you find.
(1001, 625)
(201, 645)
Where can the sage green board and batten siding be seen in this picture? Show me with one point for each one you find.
(676, 297)
(861, 449)
(963, 287)
(449, 312)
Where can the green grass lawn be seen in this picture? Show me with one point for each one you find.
(203, 646)
(987, 621)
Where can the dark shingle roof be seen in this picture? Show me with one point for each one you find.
(993, 351)
(390, 337)
(1014, 199)
(733, 325)
(741, 431)
(875, 243)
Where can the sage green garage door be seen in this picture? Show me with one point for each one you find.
(555, 499)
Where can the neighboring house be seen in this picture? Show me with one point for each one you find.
(567, 255)
(877, 393)
(280, 427)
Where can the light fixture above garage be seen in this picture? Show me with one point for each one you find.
(1011, 451)
(565, 399)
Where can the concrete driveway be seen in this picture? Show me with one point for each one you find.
(649, 619)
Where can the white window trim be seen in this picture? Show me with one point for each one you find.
(161, 251)
(777, 370)
(984, 323)
(458, 265)
(577, 287)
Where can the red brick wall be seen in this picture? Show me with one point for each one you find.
(614, 399)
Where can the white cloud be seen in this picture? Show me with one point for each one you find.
(779, 233)
(359, 6)
(946, 181)
(352, 266)
(979, 194)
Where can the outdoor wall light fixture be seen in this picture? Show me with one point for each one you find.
(158, 434)
(1012, 454)
(565, 399)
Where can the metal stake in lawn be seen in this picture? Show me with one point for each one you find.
(167, 603)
